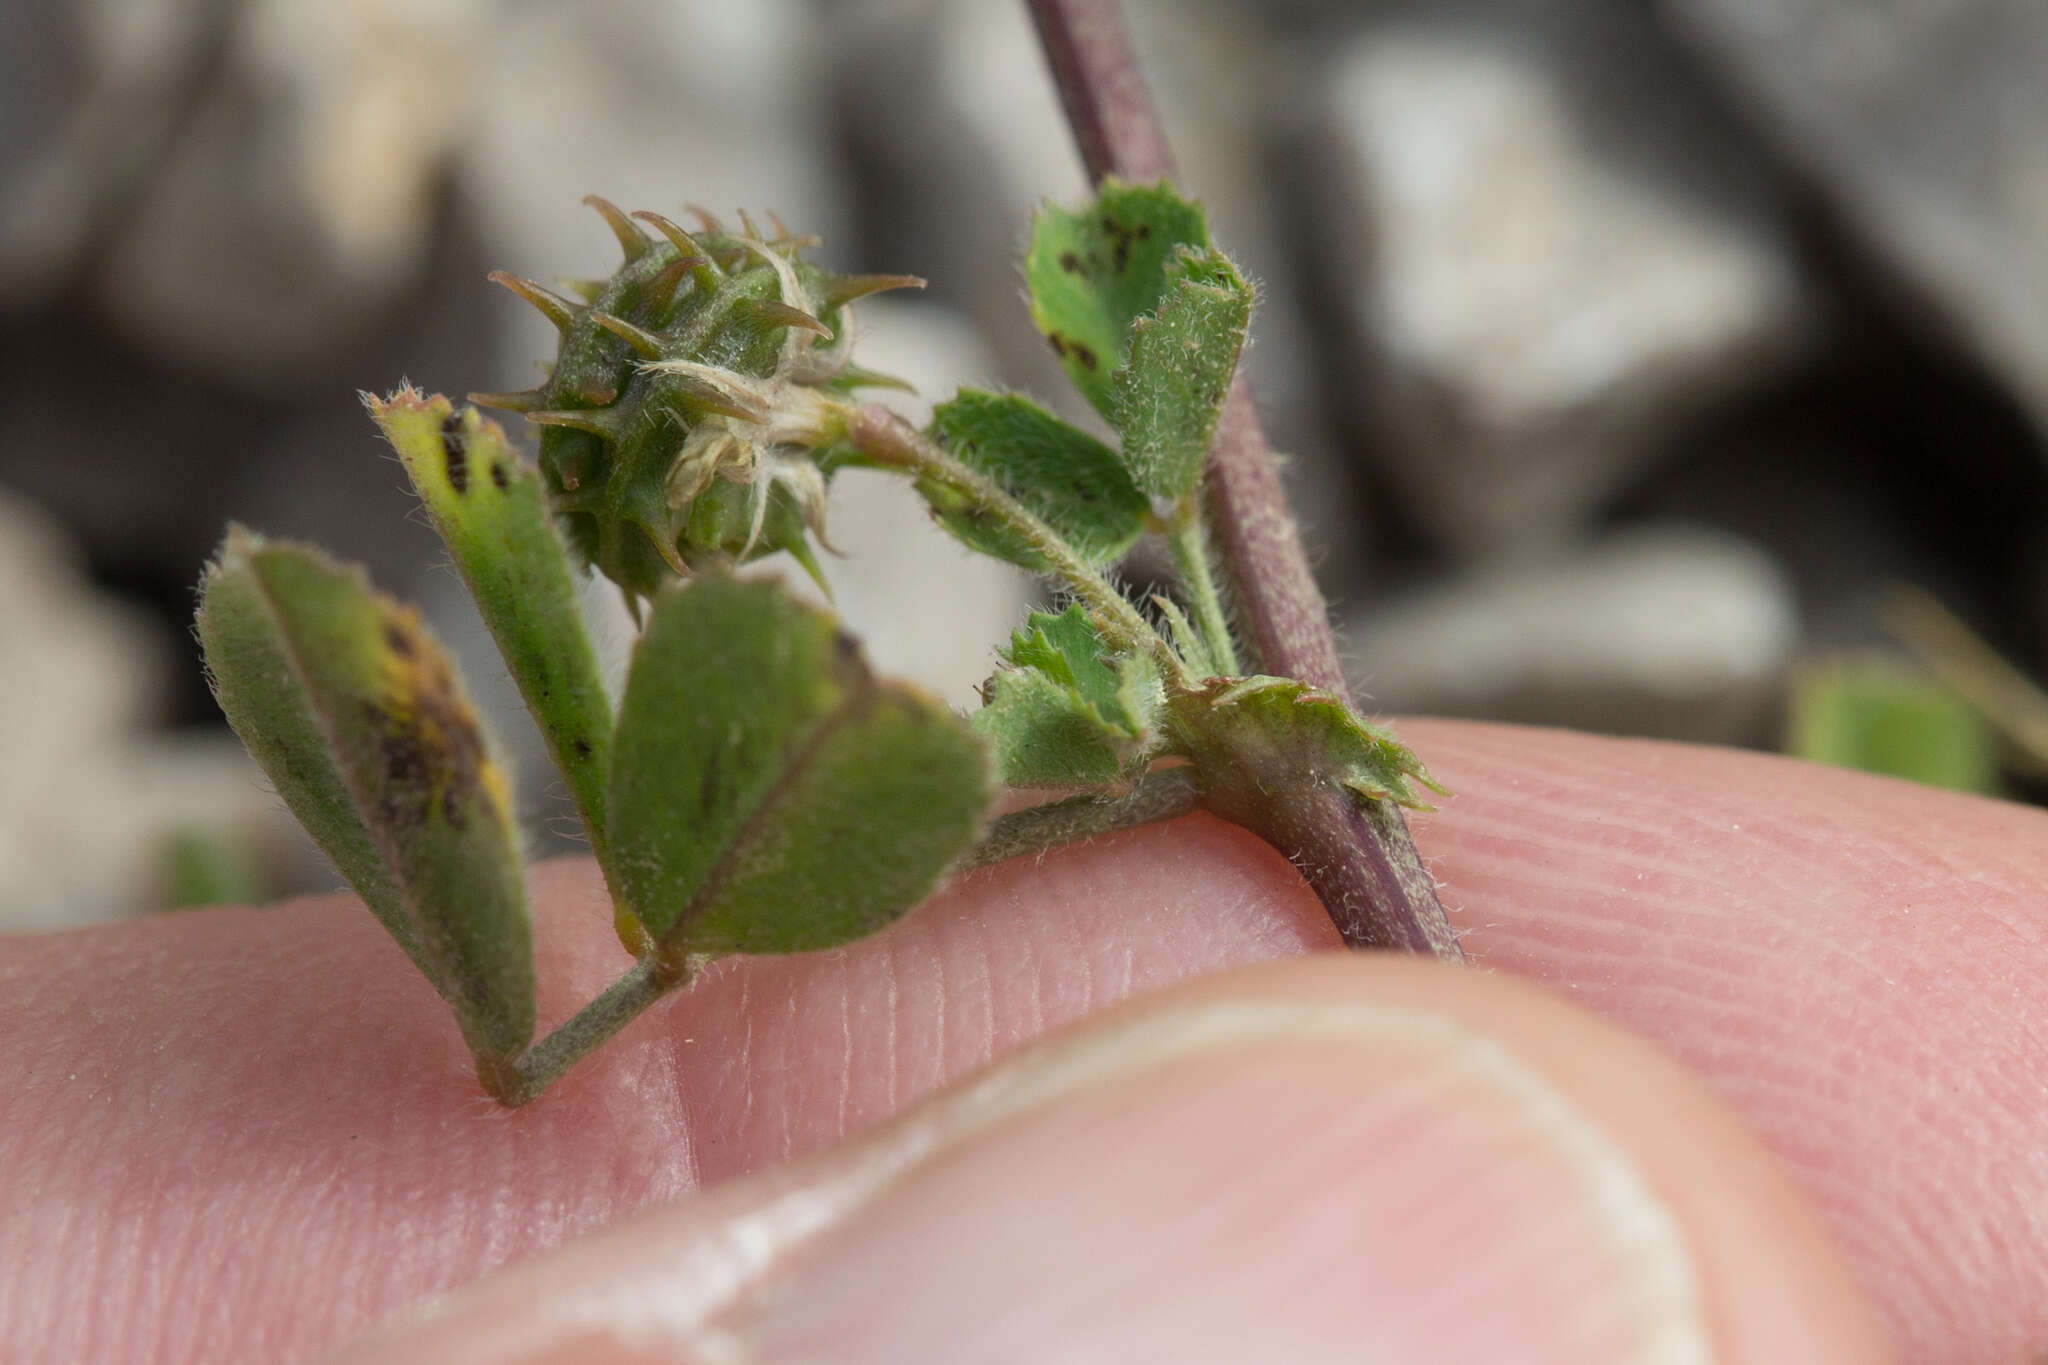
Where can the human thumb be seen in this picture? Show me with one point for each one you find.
(1340, 1158)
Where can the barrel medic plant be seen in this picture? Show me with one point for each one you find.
(756, 788)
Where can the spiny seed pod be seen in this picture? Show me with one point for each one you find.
(684, 413)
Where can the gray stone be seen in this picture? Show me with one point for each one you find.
(652, 104)
(1927, 121)
(300, 200)
(256, 237)
(89, 798)
(1548, 260)
(1667, 630)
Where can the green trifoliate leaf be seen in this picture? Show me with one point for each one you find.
(488, 506)
(1069, 713)
(770, 794)
(1279, 730)
(359, 719)
(1167, 397)
(1068, 479)
(1093, 271)
(1873, 715)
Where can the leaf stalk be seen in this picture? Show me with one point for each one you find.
(1159, 795)
(886, 439)
(583, 1032)
(1188, 539)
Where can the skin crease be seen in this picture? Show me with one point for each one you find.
(236, 1135)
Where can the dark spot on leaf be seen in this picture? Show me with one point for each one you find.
(1144, 232)
(397, 641)
(581, 747)
(1120, 238)
(1070, 261)
(1085, 355)
(432, 752)
(845, 645)
(498, 475)
(455, 449)
(404, 763)
(1059, 344)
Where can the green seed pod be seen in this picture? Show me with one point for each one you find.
(686, 404)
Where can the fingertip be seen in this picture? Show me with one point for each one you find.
(1338, 1158)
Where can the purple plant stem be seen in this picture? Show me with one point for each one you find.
(1360, 862)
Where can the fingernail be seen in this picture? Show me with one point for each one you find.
(1243, 1181)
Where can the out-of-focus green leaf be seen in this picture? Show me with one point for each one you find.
(212, 867)
(769, 793)
(2010, 703)
(358, 717)
(1872, 715)
(1068, 479)
(488, 506)
(1167, 397)
(1068, 713)
(1092, 271)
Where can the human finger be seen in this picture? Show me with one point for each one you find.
(1334, 1159)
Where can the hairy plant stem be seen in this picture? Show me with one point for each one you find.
(583, 1032)
(1188, 538)
(886, 439)
(1360, 861)
(1160, 795)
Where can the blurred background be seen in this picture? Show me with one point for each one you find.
(1657, 367)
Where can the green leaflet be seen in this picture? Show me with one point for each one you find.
(1166, 398)
(488, 506)
(1272, 731)
(1064, 476)
(1873, 715)
(359, 719)
(1092, 272)
(769, 793)
(1044, 736)
(1069, 713)
(254, 678)
(1067, 649)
